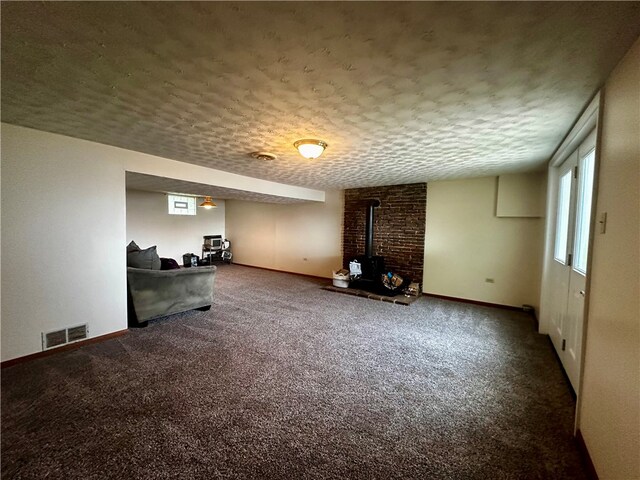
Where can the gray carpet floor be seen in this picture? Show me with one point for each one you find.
(284, 380)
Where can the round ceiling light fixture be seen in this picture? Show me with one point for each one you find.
(263, 155)
(310, 148)
(208, 203)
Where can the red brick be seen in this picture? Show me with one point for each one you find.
(399, 226)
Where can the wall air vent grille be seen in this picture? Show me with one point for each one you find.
(76, 333)
(263, 156)
(54, 339)
(66, 335)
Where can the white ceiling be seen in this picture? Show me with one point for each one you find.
(402, 92)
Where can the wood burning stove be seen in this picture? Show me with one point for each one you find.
(372, 265)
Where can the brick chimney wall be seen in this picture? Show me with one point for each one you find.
(399, 226)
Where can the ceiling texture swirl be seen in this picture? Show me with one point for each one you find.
(401, 92)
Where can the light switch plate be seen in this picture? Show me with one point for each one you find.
(602, 222)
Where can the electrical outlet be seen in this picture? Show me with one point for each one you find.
(489, 280)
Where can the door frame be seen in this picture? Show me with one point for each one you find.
(589, 120)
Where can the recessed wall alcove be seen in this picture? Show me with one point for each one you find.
(399, 226)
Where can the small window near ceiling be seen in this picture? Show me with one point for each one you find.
(562, 225)
(180, 205)
(585, 194)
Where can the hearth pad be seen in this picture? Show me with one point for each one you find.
(398, 299)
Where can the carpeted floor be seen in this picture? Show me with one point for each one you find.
(284, 380)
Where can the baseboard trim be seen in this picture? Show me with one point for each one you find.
(586, 458)
(63, 348)
(283, 271)
(473, 302)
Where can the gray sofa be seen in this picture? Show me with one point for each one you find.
(156, 293)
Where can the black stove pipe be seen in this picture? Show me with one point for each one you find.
(368, 241)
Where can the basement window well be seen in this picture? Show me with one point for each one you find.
(181, 205)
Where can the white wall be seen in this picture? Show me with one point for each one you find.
(302, 238)
(148, 223)
(609, 406)
(63, 220)
(164, 167)
(465, 243)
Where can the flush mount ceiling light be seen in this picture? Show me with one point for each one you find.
(310, 148)
(263, 155)
(208, 203)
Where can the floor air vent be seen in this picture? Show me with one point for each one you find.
(64, 336)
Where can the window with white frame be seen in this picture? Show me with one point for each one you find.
(181, 205)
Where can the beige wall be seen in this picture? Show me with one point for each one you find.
(148, 223)
(520, 195)
(301, 238)
(466, 243)
(609, 409)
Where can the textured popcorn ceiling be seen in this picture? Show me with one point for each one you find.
(402, 92)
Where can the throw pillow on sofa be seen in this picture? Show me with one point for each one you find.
(147, 258)
(168, 264)
(132, 247)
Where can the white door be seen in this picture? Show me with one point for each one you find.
(573, 221)
(561, 267)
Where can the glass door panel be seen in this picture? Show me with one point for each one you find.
(583, 216)
(563, 215)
